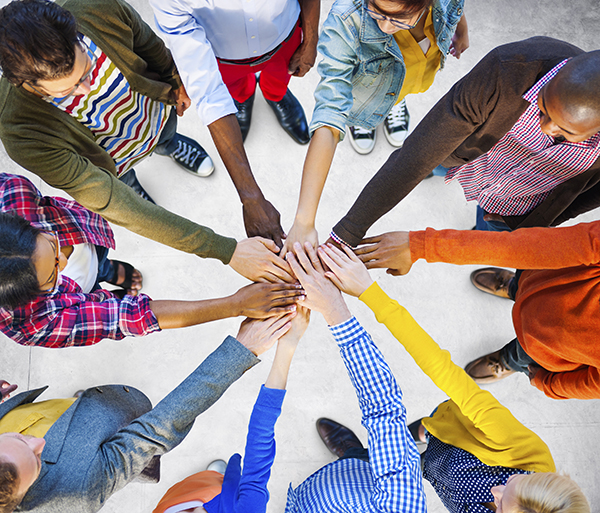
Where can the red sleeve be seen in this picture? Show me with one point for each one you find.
(525, 248)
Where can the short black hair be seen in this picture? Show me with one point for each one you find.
(37, 41)
(9, 486)
(405, 7)
(18, 277)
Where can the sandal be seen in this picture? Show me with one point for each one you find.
(128, 281)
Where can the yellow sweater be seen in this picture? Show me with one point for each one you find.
(472, 419)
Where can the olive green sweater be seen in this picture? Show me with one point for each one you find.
(63, 152)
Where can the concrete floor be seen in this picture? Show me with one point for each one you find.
(440, 297)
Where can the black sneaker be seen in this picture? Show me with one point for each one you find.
(362, 140)
(191, 156)
(130, 179)
(395, 125)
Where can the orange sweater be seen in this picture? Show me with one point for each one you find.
(203, 486)
(557, 308)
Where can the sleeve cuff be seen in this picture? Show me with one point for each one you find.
(347, 331)
(417, 245)
(270, 397)
(374, 296)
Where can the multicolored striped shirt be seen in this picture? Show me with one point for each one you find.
(125, 123)
(523, 167)
(391, 481)
(68, 317)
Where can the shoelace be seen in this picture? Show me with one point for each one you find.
(185, 153)
(397, 116)
(359, 130)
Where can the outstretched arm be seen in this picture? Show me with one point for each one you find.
(260, 216)
(478, 406)
(526, 248)
(316, 168)
(257, 301)
(394, 459)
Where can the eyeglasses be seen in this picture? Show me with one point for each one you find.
(53, 279)
(58, 100)
(397, 23)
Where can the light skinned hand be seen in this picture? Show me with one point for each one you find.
(261, 300)
(257, 259)
(259, 335)
(346, 270)
(300, 233)
(390, 250)
(6, 389)
(299, 325)
(321, 294)
(460, 39)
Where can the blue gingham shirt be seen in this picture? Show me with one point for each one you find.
(461, 480)
(391, 481)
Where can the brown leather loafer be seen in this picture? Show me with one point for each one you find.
(488, 369)
(336, 437)
(492, 280)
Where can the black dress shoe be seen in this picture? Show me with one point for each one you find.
(336, 437)
(244, 115)
(290, 115)
(130, 179)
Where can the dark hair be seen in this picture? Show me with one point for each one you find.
(405, 7)
(18, 278)
(9, 485)
(37, 41)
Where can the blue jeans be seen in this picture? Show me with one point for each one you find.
(512, 354)
(166, 143)
(105, 269)
(489, 226)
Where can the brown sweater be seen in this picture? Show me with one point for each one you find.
(467, 122)
(64, 153)
(557, 308)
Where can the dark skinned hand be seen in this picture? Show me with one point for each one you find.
(262, 218)
(262, 300)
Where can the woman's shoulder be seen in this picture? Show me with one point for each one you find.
(346, 8)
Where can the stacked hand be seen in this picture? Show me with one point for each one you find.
(259, 336)
(257, 259)
(261, 300)
(390, 250)
(300, 233)
(321, 294)
(346, 271)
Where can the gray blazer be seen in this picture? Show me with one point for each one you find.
(110, 434)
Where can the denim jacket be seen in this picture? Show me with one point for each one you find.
(362, 69)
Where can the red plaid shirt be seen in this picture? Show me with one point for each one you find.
(68, 317)
(523, 167)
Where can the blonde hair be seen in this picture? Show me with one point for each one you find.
(548, 492)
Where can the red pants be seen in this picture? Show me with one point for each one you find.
(274, 77)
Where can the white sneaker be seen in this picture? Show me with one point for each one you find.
(219, 466)
(362, 140)
(395, 125)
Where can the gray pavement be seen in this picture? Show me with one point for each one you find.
(463, 320)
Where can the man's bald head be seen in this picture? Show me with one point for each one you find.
(577, 86)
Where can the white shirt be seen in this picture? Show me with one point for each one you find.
(82, 266)
(198, 30)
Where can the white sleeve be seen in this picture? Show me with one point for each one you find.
(195, 59)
